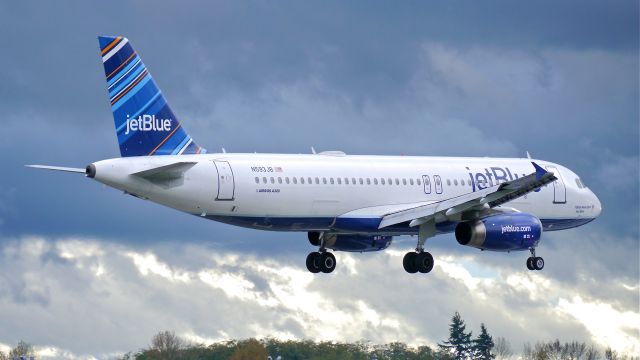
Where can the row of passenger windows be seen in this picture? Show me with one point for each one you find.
(361, 181)
(339, 181)
(351, 181)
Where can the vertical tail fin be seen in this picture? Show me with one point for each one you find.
(145, 124)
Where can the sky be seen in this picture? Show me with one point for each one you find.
(86, 271)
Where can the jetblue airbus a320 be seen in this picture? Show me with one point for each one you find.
(343, 202)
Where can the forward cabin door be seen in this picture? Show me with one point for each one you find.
(559, 189)
(226, 185)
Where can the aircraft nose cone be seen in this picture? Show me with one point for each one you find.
(597, 206)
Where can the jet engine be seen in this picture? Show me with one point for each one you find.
(502, 232)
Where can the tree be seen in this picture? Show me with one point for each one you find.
(22, 349)
(502, 349)
(166, 345)
(459, 341)
(483, 345)
(251, 349)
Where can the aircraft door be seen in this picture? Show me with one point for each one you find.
(438, 182)
(427, 184)
(226, 185)
(559, 189)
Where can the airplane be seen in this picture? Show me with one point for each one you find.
(343, 202)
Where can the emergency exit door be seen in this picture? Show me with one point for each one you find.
(226, 186)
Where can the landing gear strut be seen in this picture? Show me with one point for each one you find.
(534, 262)
(321, 260)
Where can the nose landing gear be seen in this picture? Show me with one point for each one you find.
(535, 262)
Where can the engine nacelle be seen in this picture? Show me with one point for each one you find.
(357, 243)
(503, 232)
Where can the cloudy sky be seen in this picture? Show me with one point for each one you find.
(86, 271)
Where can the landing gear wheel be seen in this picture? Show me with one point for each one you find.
(424, 262)
(327, 262)
(313, 262)
(530, 263)
(538, 263)
(409, 262)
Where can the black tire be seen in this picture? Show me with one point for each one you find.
(313, 262)
(409, 262)
(530, 263)
(424, 262)
(538, 263)
(327, 262)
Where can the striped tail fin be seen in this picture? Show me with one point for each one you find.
(145, 124)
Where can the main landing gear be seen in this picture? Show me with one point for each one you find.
(321, 260)
(420, 260)
(534, 262)
(414, 262)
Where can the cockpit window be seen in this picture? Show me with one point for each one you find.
(580, 183)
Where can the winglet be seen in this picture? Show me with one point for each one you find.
(539, 171)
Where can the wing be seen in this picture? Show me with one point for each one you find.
(57, 168)
(482, 199)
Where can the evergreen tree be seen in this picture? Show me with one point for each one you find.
(459, 341)
(483, 345)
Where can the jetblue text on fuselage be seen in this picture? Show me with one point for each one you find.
(147, 123)
(490, 176)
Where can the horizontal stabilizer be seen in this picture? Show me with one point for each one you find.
(58, 168)
(166, 172)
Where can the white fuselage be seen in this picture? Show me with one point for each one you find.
(311, 192)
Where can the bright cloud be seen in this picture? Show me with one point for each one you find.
(236, 297)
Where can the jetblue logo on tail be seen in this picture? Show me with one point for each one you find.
(147, 123)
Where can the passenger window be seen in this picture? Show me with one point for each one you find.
(339, 181)
(346, 181)
(375, 181)
(360, 181)
(302, 180)
(353, 181)
(368, 181)
(404, 181)
(317, 181)
(279, 180)
(309, 181)
(331, 181)
(324, 180)
(257, 180)
(382, 181)
(273, 181)
(448, 182)
(264, 180)
(286, 179)
(397, 181)
(455, 182)
(418, 181)
(295, 180)
(411, 181)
